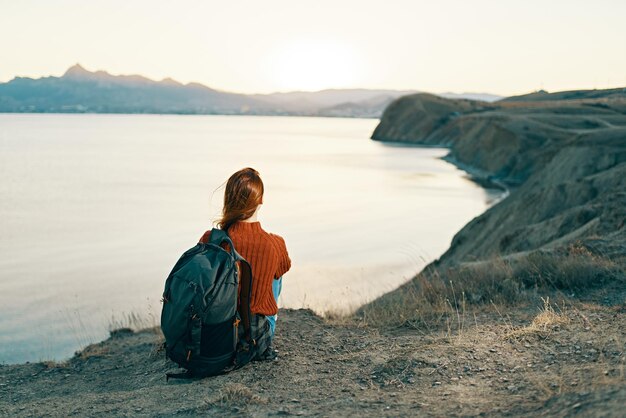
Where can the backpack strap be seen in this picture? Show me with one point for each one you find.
(219, 237)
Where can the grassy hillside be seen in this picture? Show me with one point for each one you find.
(561, 231)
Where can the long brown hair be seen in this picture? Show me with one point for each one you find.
(243, 194)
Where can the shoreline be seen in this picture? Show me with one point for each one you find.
(478, 176)
(192, 114)
(481, 177)
(97, 333)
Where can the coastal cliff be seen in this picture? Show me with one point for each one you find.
(563, 158)
(473, 334)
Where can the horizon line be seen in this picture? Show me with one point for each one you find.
(407, 90)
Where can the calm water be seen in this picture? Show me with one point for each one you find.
(95, 210)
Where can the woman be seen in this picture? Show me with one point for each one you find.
(266, 252)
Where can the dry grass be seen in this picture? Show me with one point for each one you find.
(236, 394)
(341, 318)
(158, 348)
(545, 322)
(548, 318)
(576, 270)
(95, 350)
(132, 321)
(51, 364)
(448, 297)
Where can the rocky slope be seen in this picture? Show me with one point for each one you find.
(564, 160)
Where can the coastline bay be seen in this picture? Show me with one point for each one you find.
(96, 209)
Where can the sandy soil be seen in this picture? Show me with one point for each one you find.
(496, 364)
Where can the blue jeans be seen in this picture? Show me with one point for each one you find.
(277, 286)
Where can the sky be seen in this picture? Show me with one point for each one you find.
(497, 46)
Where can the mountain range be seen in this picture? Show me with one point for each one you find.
(81, 91)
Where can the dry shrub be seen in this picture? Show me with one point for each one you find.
(441, 296)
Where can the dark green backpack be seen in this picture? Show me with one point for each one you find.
(206, 318)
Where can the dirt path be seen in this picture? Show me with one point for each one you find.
(572, 368)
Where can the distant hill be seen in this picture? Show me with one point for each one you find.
(329, 97)
(81, 91)
(483, 97)
(543, 95)
(368, 108)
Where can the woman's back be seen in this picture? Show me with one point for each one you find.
(268, 257)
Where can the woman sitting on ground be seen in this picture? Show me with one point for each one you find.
(266, 252)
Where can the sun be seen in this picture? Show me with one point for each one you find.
(314, 65)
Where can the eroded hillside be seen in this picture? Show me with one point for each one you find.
(564, 160)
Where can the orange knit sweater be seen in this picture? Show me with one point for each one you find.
(268, 257)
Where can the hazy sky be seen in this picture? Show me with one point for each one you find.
(498, 46)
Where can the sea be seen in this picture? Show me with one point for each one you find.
(96, 209)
